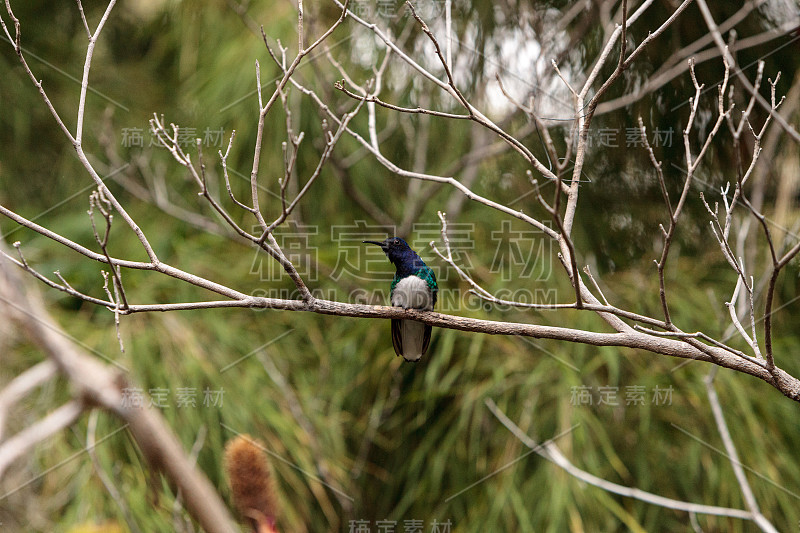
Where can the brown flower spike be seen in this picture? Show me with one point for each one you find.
(251, 481)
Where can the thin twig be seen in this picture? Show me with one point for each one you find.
(83, 18)
(548, 450)
(339, 85)
(588, 272)
(722, 427)
(720, 43)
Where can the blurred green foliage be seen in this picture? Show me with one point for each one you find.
(355, 434)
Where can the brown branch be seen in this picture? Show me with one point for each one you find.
(99, 201)
(450, 80)
(787, 384)
(264, 108)
(676, 65)
(383, 160)
(661, 263)
(715, 33)
(564, 240)
(170, 142)
(584, 120)
(450, 86)
(339, 85)
(138, 265)
(224, 161)
(330, 143)
(95, 384)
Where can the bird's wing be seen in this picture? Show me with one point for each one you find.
(397, 336)
(426, 339)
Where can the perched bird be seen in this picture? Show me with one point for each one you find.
(414, 287)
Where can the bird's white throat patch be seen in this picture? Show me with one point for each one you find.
(412, 293)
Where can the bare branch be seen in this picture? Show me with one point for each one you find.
(548, 450)
(749, 498)
(18, 387)
(751, 341)
(715, 33)
(703, 336)
(21, 443)
(98, 385)
(160, 267)
(391, 166)
(329, 145)
(416, 110)
(224, 161)
(83, 18)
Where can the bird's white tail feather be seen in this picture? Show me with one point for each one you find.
(413, 334)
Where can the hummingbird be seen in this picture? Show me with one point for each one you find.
(414, 287)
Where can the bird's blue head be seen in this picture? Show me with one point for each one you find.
(400, 254)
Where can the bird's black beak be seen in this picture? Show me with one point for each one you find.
(383, 245)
